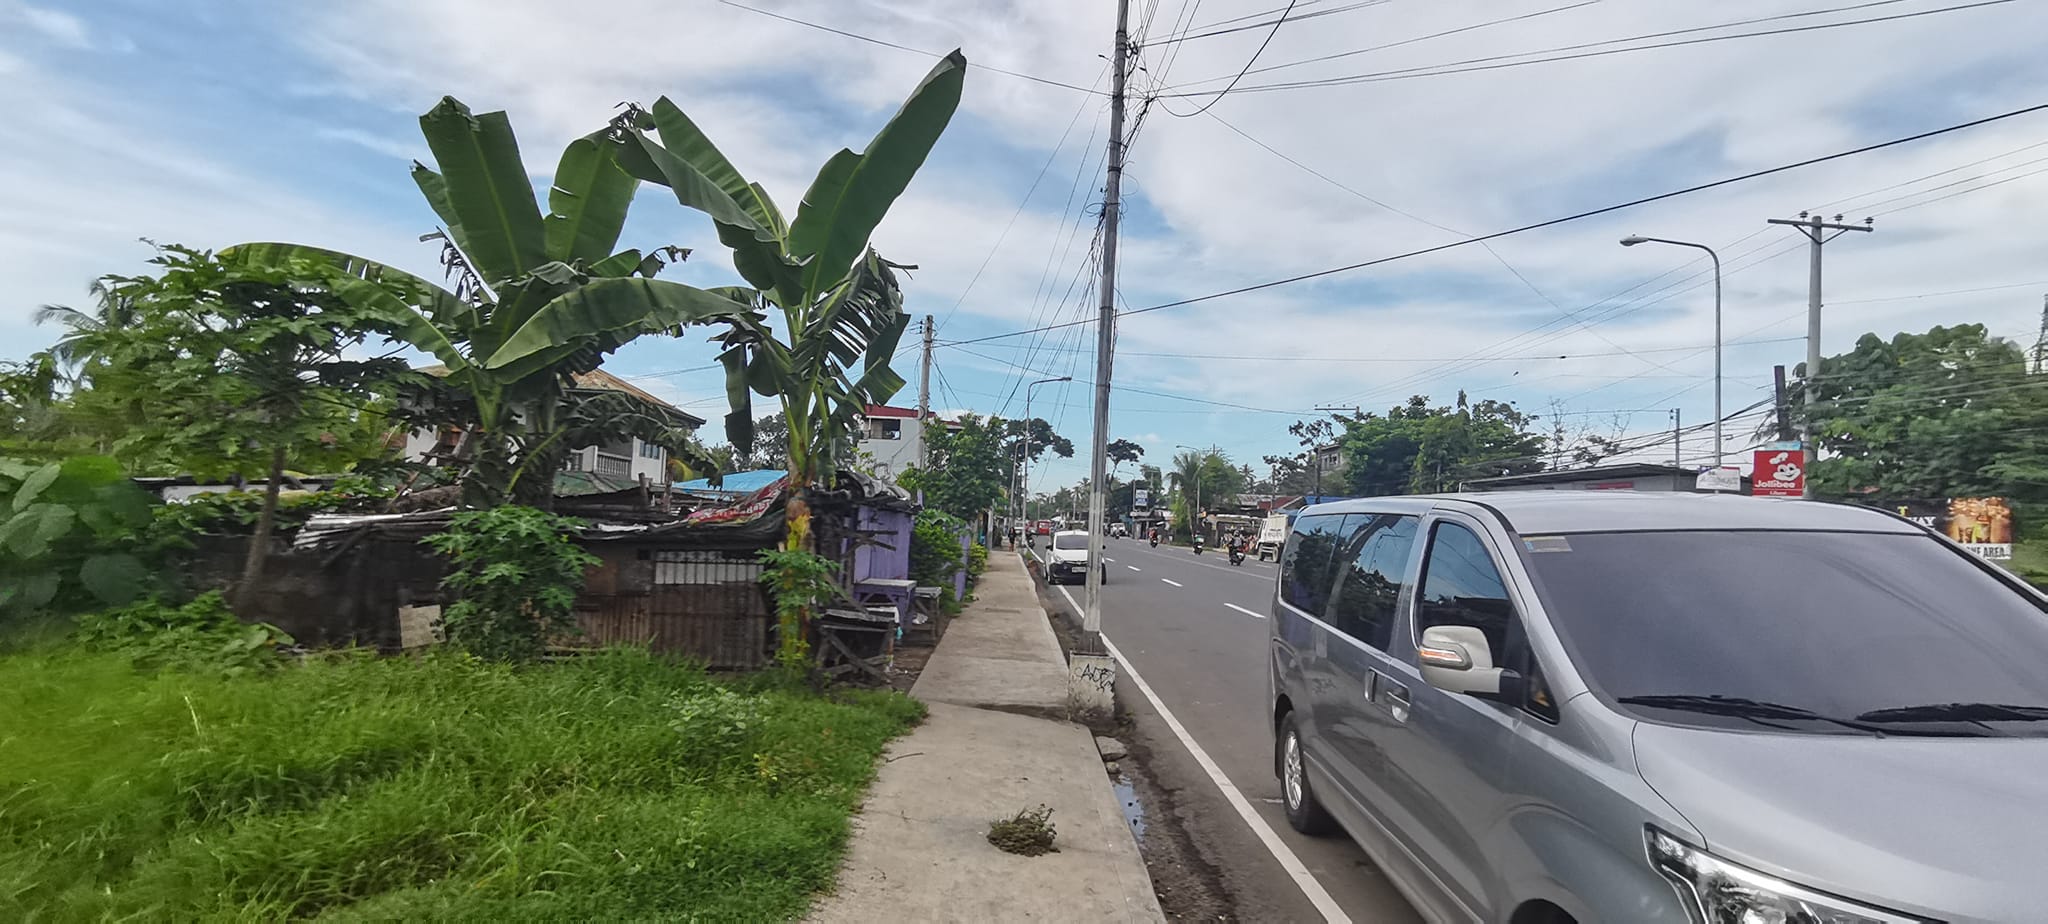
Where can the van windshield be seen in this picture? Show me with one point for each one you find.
(1070, 541)
(1888, 628)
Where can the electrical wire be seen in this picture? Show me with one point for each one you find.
(1553, 222)
(1472, 65)
(888, 44)
(1409, 41)
(1241, 71)
(1285, 17)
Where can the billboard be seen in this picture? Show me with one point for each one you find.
(1779, 471)
(1141, 499)
(1981, 524)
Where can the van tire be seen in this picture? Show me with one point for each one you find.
(1304, 812)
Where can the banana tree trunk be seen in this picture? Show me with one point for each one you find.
(266, 522)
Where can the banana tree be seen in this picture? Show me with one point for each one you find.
(536, 298)
(840, 305)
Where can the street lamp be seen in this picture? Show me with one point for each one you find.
(1024, 470)
(1634, 239)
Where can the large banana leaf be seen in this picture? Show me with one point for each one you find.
(587, 204)
(757, 248)
(684, 139)
(495, 219)
(853, 192)
(608, 308)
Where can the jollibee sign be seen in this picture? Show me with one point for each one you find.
(1778, 472)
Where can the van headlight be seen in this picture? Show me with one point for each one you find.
(1719, 892)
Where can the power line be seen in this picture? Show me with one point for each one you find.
(1899, 298)
(1409, 41)
(1285, 16)
(1471, 65)
(1959, 192)
(1277, 23)
(887, 44)
(1303, 277)
(1404, 359)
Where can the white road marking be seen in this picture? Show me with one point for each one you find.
(1296, 870)
(1134, 567)
(1288, 861)
(1173, 582)
(1245, 611)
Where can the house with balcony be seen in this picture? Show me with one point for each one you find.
(607, 467)
(890, 435)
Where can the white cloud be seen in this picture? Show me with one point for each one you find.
(56, 25)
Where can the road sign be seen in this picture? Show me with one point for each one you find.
(1141, 498)
(1725, 478)
(1778, 473)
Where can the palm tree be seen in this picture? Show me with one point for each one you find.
(71, 351)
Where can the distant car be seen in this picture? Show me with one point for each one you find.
(1576, 706)
(1068, 558)
(1119, 530)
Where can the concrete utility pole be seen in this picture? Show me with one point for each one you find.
(1105, 333)
(924, 394)
(1816, 231)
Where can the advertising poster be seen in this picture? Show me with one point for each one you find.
(1778, 471)
(1981, 524)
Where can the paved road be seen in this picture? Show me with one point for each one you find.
(1194, 628)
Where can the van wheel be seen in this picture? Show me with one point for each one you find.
(1304, 812)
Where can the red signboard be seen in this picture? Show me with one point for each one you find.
(1778, 473)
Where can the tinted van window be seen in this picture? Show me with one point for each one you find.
(1461, 587)
(1840, 624)
(1305, 568)
(1373, 565)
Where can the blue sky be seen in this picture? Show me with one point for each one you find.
(213, 123)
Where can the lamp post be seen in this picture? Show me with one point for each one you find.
(1024, 476)
(1634, 239)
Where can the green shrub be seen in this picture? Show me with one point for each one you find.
(515, 572)
(977, 561)
(69, 537)
(935, 548)
(800, 583)
(203, 634)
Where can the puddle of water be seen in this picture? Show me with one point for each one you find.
(1127, 799)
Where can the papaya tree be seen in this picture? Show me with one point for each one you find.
(838, 302)
(536, 300)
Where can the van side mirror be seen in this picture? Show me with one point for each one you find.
(1459, 659)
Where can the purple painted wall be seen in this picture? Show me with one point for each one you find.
(873, 560)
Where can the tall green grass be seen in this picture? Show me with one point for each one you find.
(611, 787)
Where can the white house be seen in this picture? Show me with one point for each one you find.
(890, 436)
(626, 461)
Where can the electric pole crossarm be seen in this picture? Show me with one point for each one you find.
(1815, 229)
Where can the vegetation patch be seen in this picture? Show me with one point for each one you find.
(610, 787)
(1029, 832)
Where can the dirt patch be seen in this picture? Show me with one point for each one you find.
(907, 664)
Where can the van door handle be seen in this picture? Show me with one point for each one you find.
(1395, 698)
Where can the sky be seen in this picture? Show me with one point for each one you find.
(209, 124)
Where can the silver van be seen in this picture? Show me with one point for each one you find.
(1556, 706)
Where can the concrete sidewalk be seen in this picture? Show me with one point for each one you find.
(920, 850)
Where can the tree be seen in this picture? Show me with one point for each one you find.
(72, 348)
(1042, 438)
(1204, 481)
(965, 474)
(841, 309)
(1952, 412)
(1121, 451)
(537, 299)
(1417, 448)
(238, 369)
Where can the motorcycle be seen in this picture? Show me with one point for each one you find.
(1198, 545)
(1237, 555)
(1155, 540)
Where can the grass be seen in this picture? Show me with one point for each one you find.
(610, 787)
(2030, 561)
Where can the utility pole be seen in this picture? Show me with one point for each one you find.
(2041, 340)
(1675, 438)
(1105, 332)
(1783, 403)
(924, 395)
(1315, 452)
(1816, 231)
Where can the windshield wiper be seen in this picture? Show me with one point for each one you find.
(1958, 712)
(1766, 713)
